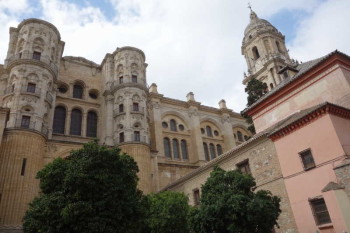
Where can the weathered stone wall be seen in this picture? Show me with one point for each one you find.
(342, 172)
(264, 167)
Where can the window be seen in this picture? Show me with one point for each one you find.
(307, 159)
(173, 125)
(36, 55)
(285, 74)
(271, 86)
(184, 149)
(164, 125)
(93, 94)
(209, 132)
(216, 133)
(13, 88)
(240, 136)
(196, 197)
(167, 150)
(62, 88)
(121, 107)
(212, 151)
(134, 78)
(75, 124)
(135, 107)
(31, 87)
(77, 91)
(255, 52)
(278, 47)
(219, 149)
(91, 124)
(25, 121)
(202, 131)
(23, 169)
(206, 151)
(320, 211)
(121, 79)
(176, 149)
(121, 137)
(181, 127)
(137, 136)
(59, 120)
(244, 167)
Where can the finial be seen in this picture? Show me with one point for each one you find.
(250, 7)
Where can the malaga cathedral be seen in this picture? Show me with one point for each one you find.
(51, 105)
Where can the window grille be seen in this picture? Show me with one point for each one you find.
(91, 124)
(75, 124)
(167, 149)
(184, 151)
(320, 211)
(307, 159)
(59, 120)
(176, 149)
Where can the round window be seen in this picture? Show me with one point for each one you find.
(181, 127)
(62, 88)
(216, 133)
(164, 124)
(93, 94)
(202, 131)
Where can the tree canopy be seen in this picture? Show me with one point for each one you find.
(93, 190)
(168, 213)
(255, 90)
(229, 205)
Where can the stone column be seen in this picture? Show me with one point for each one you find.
(109, 120)
(68, 119)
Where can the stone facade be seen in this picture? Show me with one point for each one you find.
(260, 155)
(51, 105)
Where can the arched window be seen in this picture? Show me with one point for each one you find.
(271, 86)
(176, 149)
(59, 120)
(278, 47)
(212, 151)
(255, 52)
(78, 91)
(219, 149)
(184, 149)
(75, 123)
(173, 125)
(209, 132)
(206, 151)
(91, 124)
(240, 136)
(167, 149)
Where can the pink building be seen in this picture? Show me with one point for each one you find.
(312, 140)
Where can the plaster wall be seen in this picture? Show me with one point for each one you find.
(321, 137)
(332, 85)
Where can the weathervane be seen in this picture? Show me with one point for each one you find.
(250, 7)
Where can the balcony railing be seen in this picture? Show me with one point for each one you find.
(20, 124)
(134, 138)
(137, 109)
(32, 56)
(31, 90)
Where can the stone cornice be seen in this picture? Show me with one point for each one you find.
(33, 20)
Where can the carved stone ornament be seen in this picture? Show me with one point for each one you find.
(225, 119)
(192, 112)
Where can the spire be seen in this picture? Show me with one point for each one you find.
(252, 13)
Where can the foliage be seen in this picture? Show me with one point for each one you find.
(229, 205)
(93, 190)
(255, 90)
(168, 213)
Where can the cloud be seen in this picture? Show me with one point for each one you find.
(189, 45)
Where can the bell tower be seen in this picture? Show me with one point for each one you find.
(265, 52)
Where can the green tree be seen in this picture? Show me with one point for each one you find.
(168, 213)
(93, 190)
(229, 205)
(255, 90)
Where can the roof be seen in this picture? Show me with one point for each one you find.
(287, 125)
(302, 69)
(218, 159)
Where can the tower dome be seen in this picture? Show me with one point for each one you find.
(257, 25)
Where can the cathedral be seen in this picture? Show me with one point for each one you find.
(51, 105)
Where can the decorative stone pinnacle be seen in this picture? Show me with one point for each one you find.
(190, 96)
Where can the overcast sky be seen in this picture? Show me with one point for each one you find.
(190, 45)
